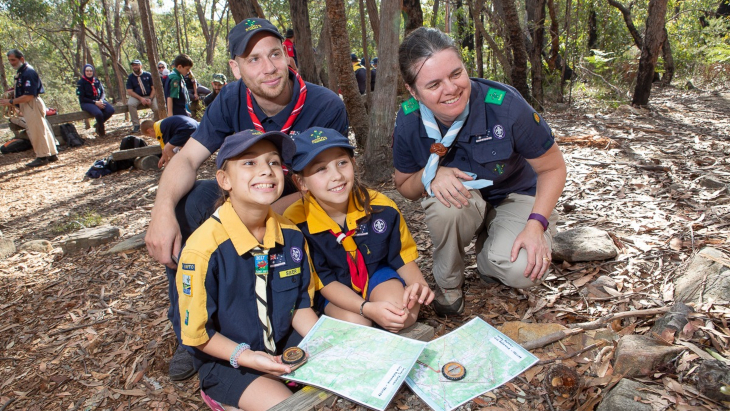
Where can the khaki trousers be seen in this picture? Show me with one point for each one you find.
(39, 132)
(133, 104)
(452, 230)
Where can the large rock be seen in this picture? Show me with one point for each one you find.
(38, 246)
(583, 244)
(641, 355)
(89, 237)
(621, 397)
(132, 243)
(707, 276)
(522, 332)
(7, 248)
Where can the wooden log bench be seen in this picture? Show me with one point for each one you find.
(311, 398)
(145, 158)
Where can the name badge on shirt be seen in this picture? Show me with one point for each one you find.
(261, 264)
(289, 273)
(483, 138)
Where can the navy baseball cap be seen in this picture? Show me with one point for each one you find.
(236, 144)
(374, 61)
(353, 57)
(243, 32)
(136, 62)
(313, 141)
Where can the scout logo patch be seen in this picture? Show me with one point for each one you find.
(317, 137)
(289, 273)
(495, 96)
(27, 83)
(251, 25)
(498, 169)
(187, 283)
(536, 117)
(276, 260)
(189, 267)
(362, 229)
(379, 226)
(187, 316)
(547, 144)
(483, 138)
(296, 254)
(410, 105)
(261, 264)
(498, 131)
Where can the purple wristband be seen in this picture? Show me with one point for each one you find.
(539, 217)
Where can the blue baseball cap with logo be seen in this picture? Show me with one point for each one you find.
(313, 141)
(136, 62)
(237, 143)
(242, 33)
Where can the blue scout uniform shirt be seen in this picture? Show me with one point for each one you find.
(501, 132)
(175, 130)
(383, 239)
(216, 281)
(228, 114)
(175, 88)
(133, 83)
(85, 91)
(27, 82)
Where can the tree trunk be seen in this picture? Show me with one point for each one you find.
(498, 52)
(435, 13)
(114, 41)
(372, 7)
(148, 30)
(564, 64)
(177, 27)
(132, 18)
(365, 56)
(323, 56)
(208, 30)
(413, 15)
(479, 40)
(554, 37)
(536, 25)
(343, 69)
(668, 60)
(243, 9)
(185, 28)
(592, 29)
(626, 13)
(653, 39)
(3, 79)
(517, 44)
(303, 35)
(377, 164)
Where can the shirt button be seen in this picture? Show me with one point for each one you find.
(463, 159)
(494, 153)
(294, 280)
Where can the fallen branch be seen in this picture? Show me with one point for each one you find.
(550, 338)
(599, 323)
(600, 343)
(65, 330)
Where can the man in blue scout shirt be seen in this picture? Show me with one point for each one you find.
(28, 88)
(140, 92)
(268, 96)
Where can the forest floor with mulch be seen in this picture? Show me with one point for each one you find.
(89, 331)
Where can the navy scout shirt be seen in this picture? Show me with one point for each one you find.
(27, 82)
(175, 130)
(133, 83)
(228, 114)
(383, 239)
(501, 132)
(216, 281)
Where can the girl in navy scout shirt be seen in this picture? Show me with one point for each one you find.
(362, 250)
(243, 280)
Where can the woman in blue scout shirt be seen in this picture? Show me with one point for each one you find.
(483, 161)
(92, 98)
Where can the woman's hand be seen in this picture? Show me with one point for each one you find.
(539, 254)
(448, 188)
(386, 314)
(263, 362)
(99, 103)
(417, 292)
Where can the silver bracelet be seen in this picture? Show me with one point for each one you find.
(361, 307)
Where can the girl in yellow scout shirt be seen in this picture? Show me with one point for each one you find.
(243, 279)
(362, 250)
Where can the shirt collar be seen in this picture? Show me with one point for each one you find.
(318, 221)
(158, 128)
(280, 117)
(239, 234)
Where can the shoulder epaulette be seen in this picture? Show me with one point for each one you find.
(410, 105)
(495, 96)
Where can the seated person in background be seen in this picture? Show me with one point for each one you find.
(172, 133)
(140, 91)
(360, 246)
(219, 80)
(92, 98)
(176, 92)
(243, 279)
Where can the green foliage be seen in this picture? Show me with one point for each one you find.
(75, 222)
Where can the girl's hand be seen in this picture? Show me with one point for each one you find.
(263, 362)
(386, 314)
(448, 188)
(538, 253)
(417, 292)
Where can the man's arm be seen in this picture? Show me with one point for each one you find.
(163, 234)
(17, 100)
(169, 107)
(152, 93)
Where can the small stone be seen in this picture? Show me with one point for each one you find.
(583, 244)
(642, 355)
(711, 376)
(674, 320)
(711, 183)
(7, 248)
(705, 279)
(132, 243)
(522, 332)
(622, 397)
(89, 237)
(38, 246)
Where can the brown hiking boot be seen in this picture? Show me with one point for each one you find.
(448, 301)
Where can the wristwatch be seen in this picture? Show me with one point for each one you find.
(539, 217)
(11, 101)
